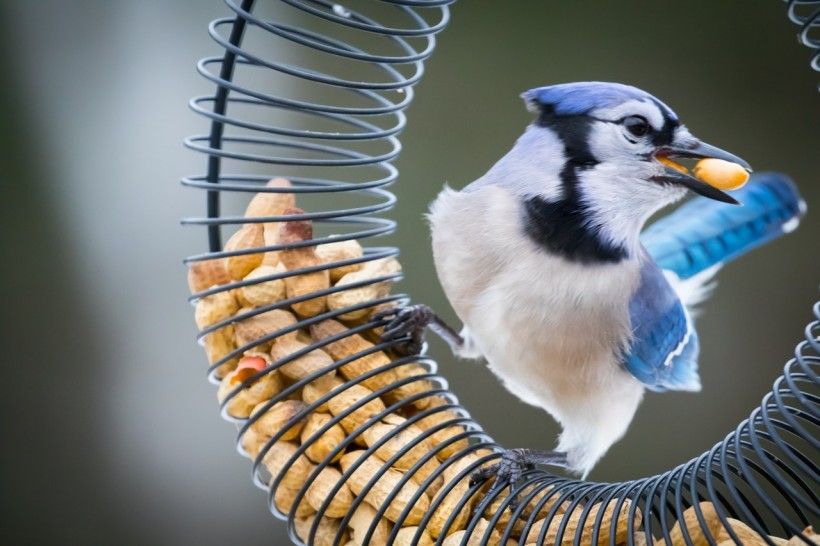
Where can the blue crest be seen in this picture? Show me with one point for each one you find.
(579, 98)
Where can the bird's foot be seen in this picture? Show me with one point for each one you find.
(513, 464)
(409, 321)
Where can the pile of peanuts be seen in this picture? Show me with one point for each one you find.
(696, 533)
(311, 395)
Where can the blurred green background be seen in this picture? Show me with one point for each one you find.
(111, 434)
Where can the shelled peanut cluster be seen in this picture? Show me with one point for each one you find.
(306, 386)
(712, 526)
(356, 441)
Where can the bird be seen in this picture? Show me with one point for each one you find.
(545, 259)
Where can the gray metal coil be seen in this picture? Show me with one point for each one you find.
(763, 473)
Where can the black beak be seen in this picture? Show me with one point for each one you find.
(699, 150)
(702, 150)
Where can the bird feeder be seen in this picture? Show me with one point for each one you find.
(354, 442)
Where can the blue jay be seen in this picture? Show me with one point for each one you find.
(543, 260)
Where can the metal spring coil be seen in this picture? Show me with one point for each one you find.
(763, 473)
(806, 14)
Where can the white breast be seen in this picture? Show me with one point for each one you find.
(550, 329)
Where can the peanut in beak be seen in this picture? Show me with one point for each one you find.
(721, 174)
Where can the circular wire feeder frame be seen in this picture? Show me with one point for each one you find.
(325, 113)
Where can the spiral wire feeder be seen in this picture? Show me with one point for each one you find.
(806, 14)
(763, 473)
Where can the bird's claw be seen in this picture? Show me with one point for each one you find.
(406, 322)
(510, 470)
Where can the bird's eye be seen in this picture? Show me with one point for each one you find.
(636, 125)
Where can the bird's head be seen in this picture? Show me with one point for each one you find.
(620, 129)
(612, 146)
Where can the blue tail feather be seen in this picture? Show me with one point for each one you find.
(703, 233)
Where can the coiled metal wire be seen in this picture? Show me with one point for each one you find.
(806, 14)
(342, 143)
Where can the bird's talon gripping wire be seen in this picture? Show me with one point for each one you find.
(510, 470)
(406, 322)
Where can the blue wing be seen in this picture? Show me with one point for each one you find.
(699, 235)
(703, 233)
(664, 350)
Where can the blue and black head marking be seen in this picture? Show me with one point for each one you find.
(574, 101)
(579, 98)
(561, 227)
